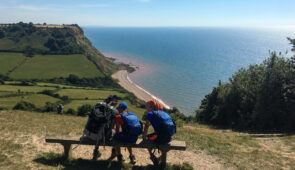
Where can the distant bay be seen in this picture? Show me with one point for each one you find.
(182, 65)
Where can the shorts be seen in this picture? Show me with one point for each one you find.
(159, 139)
(120, 137)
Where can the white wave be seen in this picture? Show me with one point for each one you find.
(153, 96)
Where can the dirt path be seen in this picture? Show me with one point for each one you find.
(198, 161)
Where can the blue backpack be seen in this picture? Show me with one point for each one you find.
(132, 125)
(166, 124)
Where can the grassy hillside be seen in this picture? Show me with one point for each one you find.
(26, 148)
(17, 37)
(39, 100)
(8, 61)
(51, 66)
(29, 51)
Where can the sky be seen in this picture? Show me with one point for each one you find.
(152, 13)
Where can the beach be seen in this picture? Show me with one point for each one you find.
(139, 92)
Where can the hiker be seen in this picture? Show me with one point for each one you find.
(60, 109)
(163, 125)
(100, 123)
(131, 129)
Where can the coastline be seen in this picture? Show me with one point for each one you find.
(141, 93)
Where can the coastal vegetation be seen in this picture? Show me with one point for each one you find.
(260, 98)
(22, 37)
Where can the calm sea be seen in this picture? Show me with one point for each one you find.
(182, 65)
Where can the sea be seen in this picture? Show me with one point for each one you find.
(182, 65)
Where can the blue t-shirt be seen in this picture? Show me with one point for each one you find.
(154, 121)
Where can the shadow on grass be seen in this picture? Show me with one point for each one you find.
(57, 160)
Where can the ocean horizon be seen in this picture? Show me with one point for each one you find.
(182, 65)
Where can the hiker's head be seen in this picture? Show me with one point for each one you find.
(122, 107)
(112, 100)
(152, 105)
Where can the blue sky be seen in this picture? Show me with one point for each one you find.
(152, 13)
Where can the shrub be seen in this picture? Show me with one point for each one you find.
(48, 92)
(260, 98)
(23, 105)
(3, 108)
(71, 111)
(2, 35)
(50, 107)
(82, 110)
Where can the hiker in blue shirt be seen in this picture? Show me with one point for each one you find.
(131, 129)
(163, 126)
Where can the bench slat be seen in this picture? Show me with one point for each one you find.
(173, 145)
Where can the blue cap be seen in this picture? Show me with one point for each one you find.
(123, 106)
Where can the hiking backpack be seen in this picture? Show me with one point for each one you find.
(132, 126)
(100, 120)
(166, 124)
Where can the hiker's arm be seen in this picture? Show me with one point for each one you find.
(146, 128)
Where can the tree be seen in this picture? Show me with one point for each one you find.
(2, 35)
(29, 52)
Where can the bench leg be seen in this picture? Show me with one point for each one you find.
(67, 151)
(164, 158)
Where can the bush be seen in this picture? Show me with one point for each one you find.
(260, 98)
(3, 108)
(82, 110)
(48, 92)
(71, 111)
(72, 79)
(50, 107)
(2, 35)
(23, 105)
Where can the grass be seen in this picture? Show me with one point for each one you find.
(76, 94)
(77, 103)
(56, 160)
(38, 100)
(35, 41)
(16, 155)
(60, 85)
(9, 60)
(235, 149)
(13, 88)
(53, 66)
(239, 150)
(5, 93)
(90, 94)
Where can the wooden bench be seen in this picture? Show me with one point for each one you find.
(67, 142)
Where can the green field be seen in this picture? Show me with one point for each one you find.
(53, 66)
(9, 60)
(5, 93)
(13, 88)
(77, 103)
(90, 94)
(38, 100)
(61, 86)
(77, 95)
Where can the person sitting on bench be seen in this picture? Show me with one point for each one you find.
(163, 125)
(131, 129)
(100, 123)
